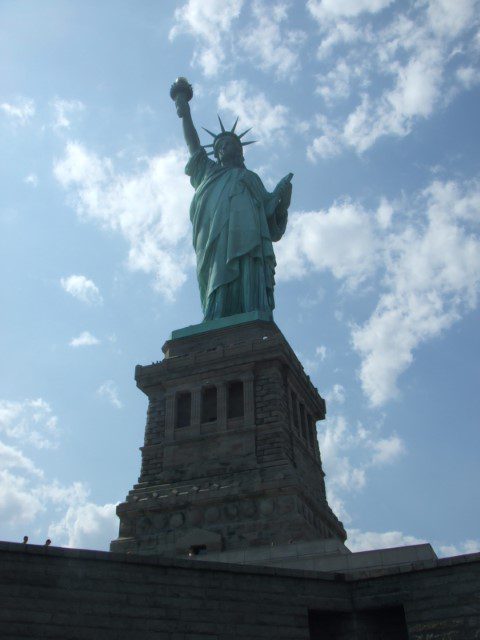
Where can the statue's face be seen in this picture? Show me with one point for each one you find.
(229, 151)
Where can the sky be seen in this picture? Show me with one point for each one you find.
(373, 106)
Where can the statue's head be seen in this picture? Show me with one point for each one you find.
(227, 146)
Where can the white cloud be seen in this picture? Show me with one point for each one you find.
(31, 179)
(348, 453)
(386, 450)
(270, 45)
(25, 494)
(321, 352)
(336, 437)
(86, 526)
(333, 9)
(415, 94)
(409, 67)
(33, 505)
(341, 31)
(385, 213)
(19, 112)
(149, 207)
(82, 288)
(336, 83)
(13, 458)
(341, 240)
(109, 391)
(29, 421)
(254, 110)
(369, 540)
(432, 279)
(18, 504)
(28, 504)
(468, 76)
(336, 394)
(428, 260)
(209, 22)
(450, 17)
(25, 503)
(59, 494)
(418, 86)
(63, 110)
(327, 145)
(85, 339)
(467, 546)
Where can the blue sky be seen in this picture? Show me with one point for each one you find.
(373, 105)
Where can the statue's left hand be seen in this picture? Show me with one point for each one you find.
(284, 190)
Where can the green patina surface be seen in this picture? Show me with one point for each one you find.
(221, 323)
(235, 220)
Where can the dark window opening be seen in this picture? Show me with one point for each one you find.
(334, 625)
(209, 404)
(311, 430)
(183, 409)
(197, 550)
(303, 422)
(294, 410)
(235, 399)
(377, 624)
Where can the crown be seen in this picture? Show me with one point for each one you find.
(217, 136)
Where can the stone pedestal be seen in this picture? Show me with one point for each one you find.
(231, 458)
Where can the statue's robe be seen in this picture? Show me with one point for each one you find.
(235, 219)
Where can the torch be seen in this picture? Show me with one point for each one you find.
(181, 91)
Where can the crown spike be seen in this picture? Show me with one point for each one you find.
(244, 144)
(214, 135)
(232, 130)
(221, 123)
(245, 132)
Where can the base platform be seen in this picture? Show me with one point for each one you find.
(231, 458)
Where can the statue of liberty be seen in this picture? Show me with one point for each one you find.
(234, 218)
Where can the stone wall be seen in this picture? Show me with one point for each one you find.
(88, 595)
(247, 480)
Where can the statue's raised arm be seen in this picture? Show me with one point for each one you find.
(181, 93)
(235, 220)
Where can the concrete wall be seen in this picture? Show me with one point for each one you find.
(87, 595)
